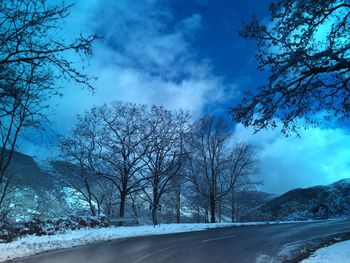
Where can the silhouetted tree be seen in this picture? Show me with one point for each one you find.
(217, 163)
(79, 150)
(210, 138)
(165, 158)
(242, 167)
(124, 140)
(305, 47)
(33, 57)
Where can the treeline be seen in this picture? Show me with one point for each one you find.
(124, 159)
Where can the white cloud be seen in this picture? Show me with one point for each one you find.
(319, 156)
(145, 56)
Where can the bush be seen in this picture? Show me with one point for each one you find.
(7, 233)
(40, 227)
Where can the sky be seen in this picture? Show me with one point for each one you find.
(188, 55)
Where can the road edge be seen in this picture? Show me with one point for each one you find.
(308, 248)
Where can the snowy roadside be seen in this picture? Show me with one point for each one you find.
(336, 253)
(31, 245)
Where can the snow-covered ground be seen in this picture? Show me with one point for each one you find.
(336, 253)
(31, 245)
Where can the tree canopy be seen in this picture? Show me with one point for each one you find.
(305, 46)
(35, 59)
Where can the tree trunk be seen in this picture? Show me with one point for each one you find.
(178, 206)
(89, 197)
(109, 209)
(122, 208)
(98, 207)
(4, 192)
(233, 218)
(198, 215)
(154, 216)
(155, 206)
(212, 208)
(135, 213)
(92, 208)
(206, 219)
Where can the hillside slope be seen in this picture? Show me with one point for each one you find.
(319, 202)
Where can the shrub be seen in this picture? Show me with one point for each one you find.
(40, 227)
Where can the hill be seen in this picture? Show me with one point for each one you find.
(318, 202)
(26, 172)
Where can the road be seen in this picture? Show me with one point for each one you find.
(235, 244)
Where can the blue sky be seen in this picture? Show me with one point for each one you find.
(187, 54)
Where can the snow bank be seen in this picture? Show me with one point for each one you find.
(336, 253)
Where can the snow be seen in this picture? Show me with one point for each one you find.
(288, 249)
(31, 245)
(336, 253)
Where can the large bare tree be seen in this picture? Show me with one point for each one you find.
(33, 56)
(165, 158)
(124, 140)
(209, 143)
(242, 167)
(78, 170)
(217, 161)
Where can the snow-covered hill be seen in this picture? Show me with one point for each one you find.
(318, 202)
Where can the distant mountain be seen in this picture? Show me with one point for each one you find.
(246, 201)
(319, 202)
(251, 199)
(256, 197)
(33, 191)
(26, 172)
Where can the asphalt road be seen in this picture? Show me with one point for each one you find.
(235, 244)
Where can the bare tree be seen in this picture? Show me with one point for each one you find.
(305, 48)
(33, 57)
(83, 183)
(209, 142)
(177, 194)
(165, 158)
(196, 203)
(124, 142)
(20, 108)
(242, 167)
(214, 170)
(80, 149)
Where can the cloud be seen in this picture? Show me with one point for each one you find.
(145, 56)
(144, 35)
(319, 156)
